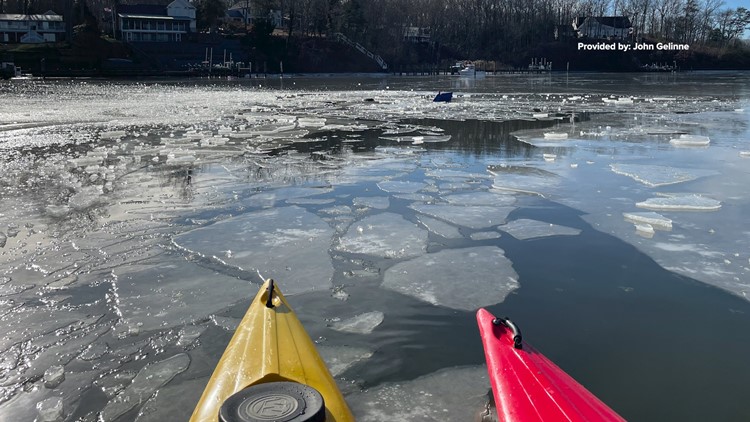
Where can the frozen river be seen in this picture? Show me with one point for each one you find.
(137, 217)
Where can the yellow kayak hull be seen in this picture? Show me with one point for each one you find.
(270, 345)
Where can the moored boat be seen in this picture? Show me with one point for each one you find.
(271, 371)
(527, 386)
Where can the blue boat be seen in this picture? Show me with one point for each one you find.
(443, 97)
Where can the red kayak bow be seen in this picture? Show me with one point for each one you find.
(529, 387)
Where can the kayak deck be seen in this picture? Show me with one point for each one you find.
(529, 387)
(270, 345)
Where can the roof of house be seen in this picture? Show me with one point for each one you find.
(49, 17)
(612, 21)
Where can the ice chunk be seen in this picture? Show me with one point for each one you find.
(653, 175)
(269, 199)
(474, 216)
(393, 186)
(54, 376)
(453, 394)
(484, 235)
(745, 154)
(227, 323)
(481, 198)
(3, 239)
(144, 385)
(94, 351)
(339, 359)
(654, 219)
(437, 278)
(440, 228)
(172, 293)
(387, 235)
(288, 244)
(377, 202)
(86, 198)
(360, 324)
(555, 135)
(524, 229)
(644, 230)
(688, 202)
(690, 141)
(337, 210)
(50, 409)
(189, 334)
(523, 179)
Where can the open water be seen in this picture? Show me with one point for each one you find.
(136, 219)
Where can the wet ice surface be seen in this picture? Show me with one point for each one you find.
(295, 252)
(462, 393)
(529, 229)
(438, 278)
(136, 215)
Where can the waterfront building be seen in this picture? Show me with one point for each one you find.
(48, 27)
(154, 23)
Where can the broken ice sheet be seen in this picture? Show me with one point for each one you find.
(387, 235)
(393, 186)
(523, 229)
(360, 324)
(475, 216)
(464, 279)
(656, 220)
(377, 202)
(484, 235)
(440, 228)
(680, 202)
(653, 175)
(144, 385)
(269, 199)
(481, 198)
(452, 394)
(523, 179)
(340, 358)
(173, 293)
(288, 244)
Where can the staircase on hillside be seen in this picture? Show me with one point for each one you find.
(344, 39)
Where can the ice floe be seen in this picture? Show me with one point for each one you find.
(680, 202)
(652, 218)
(144, 385)
(288, 244)
(169, 294)
(440, 228)
(654, 175)
(481, 198)
(360, 324)
(523, 179)
(394, 186)
(340, 358)
(524, 229)
(456, 278)
(385, 235)
(453, 394)
(690, 141)
(471, 216)
(376, 202)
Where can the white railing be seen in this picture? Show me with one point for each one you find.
(344, 39)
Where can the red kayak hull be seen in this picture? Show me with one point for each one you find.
(529, 387)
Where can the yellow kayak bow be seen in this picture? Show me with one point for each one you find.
(271, 371)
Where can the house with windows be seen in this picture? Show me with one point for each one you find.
(242, 14)
(155, 23)
(602, 27)
(416, 34)
(48, 27)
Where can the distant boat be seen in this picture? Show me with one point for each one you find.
(443, 97)
(470, 71)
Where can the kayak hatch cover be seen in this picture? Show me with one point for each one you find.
(271, 365)
(529, 387)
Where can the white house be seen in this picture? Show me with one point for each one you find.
(154, 23)
(602, 27)
(48, 27)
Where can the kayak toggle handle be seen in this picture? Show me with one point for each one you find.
(506, 322)
(269, 301)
